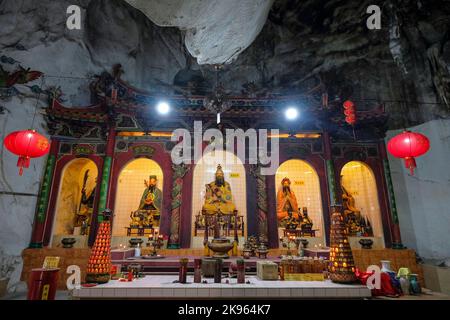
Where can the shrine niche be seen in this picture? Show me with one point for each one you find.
(76, 200)
(139, 198)
(360, 201)
(299, 202)
(218, 186)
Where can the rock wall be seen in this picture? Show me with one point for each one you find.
(423, 200)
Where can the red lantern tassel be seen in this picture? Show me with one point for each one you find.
(410, 163)
(23, 162)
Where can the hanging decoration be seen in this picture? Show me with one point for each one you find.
(409, 145)
(218, 101)
(26, 144)
(350, 112)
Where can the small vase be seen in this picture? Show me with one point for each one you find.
(386, 266)
(415, 287)
(404, 284)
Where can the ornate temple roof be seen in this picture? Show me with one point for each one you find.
(130, 110)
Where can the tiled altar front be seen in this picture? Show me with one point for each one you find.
(163, 287)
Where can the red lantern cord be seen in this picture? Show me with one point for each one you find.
(409, 145)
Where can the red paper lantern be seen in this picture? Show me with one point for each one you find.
(26, 144)
(408, 145)
(348, 104)
(351, 120)
(350, 112)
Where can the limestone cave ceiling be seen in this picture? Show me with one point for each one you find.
(215, 31)
(266, 47)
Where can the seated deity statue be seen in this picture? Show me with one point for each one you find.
(290, 222)
(149, 209)
(306, 223)
(286, 201)
(218, 195)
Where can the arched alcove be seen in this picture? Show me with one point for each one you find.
(130, 188)
(305, 185)
(360, 200)
(75, 203)
(204, 173)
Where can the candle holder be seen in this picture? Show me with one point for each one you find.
(156, 245)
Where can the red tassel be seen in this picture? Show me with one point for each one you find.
(410, 163)
(23, 162)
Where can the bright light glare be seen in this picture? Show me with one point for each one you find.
(163, 107)
(291, 113)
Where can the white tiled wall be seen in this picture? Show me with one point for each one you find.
(130, 189)
(204, 173)
(69, 195)
(305, 184)
(359, 180)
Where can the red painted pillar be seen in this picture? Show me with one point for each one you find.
(395, 226)
(40, 220)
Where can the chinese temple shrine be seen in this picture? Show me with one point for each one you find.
(270, 149)
(101, 155)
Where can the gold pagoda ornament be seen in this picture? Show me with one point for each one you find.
(342, 265)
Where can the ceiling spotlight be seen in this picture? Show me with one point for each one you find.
(291, 113)
(163, 107)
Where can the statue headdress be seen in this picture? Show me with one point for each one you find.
(285, 179)
(219, 169)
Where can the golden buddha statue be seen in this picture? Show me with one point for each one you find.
(348, 203)
(218, 195)
(286, 201)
